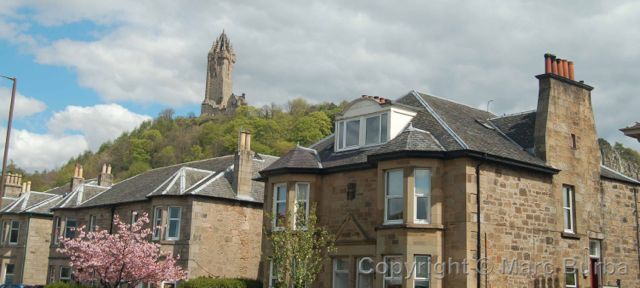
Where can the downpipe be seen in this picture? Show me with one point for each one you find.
(478, 234)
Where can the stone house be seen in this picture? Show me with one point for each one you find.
(438, 185)
(25, 232)
(208, 212)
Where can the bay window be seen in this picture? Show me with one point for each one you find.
(568, 201)
(14, 233)
(157, 223)
(279, 205)
(173, 231)
(365, 271)
(302, 204)
(422, 194)
(393, 276)
(65, 274)
(70, 228)
(340, 273)
(422, 271)
(362, 131)
(394, 196)
(9, 270)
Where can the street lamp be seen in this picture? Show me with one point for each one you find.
(7, 139)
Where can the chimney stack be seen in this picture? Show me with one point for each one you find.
(105, 179)
(77, 178)
(243, 167)
(561, 67)
(13, 185)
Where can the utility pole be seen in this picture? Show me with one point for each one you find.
(8, 138)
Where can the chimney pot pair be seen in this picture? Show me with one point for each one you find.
(244, 141)
(78, 172)
(26, 187)
(557, 66)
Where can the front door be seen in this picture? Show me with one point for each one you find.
(595, 272)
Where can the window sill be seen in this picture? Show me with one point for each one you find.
(411, 226)
(569, 235)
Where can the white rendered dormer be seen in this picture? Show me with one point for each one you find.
(369, 121)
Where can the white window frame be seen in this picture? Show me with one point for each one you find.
(387, 197)
(277, 201)
(12, 230)
(341, 131)
(57, 229)
(13, 274)
(390, 270)
(416, 195)
(361, 274)
(598, 249)
(68, 278)
(66, 226)
(92, 223)
(306, 202)
(157, 223)
(169, 219)
(417, 268)
(567, 207)
(134, 216)
(335, 270)
(575, 276)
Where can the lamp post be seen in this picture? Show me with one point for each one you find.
(8, 138)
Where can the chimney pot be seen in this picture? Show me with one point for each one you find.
(554, 65)
(571, 70)
(560, 67)
(565, 67)
(547, 63)
(109, 169)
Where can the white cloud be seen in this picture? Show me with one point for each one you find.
(98, 123)
(33, 151)
(24, 106)
(471, 52)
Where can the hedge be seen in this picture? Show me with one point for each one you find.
(64, 285)
(207, 282)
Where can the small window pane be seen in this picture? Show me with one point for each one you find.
(353, 133)
(423, 181)
(396, 207)
(394, 182)
(422, 267)
(373, 130)
(570, 277)
(174, 212)
(384, 130)
(339, 136)
(421, 209)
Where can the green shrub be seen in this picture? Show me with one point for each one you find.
(64, 285)
(207, 282)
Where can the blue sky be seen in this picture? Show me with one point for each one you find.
(90, 70)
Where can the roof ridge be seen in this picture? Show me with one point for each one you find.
(513, 114)
(455, 102)
(440, 121)
(34, 206)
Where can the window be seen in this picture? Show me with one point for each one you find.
(5, 231)
(52, 275)
(157, 223)
(570, 277)
(57, 225)
(14, 233)
(422, 271)
(394, 190)
(568, 195)
(365, 273)
(65, 274)
(9, 271)
(70, 228)
(594, 249)
(574, 142)
(362, 131)
(273, 276)
(302, 204)
(173, 233)
(134, 217)
(340, 273)
(92, 223)
(422, 192)
(279, 205)
(393, 276)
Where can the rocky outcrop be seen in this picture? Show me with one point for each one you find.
(620, 158)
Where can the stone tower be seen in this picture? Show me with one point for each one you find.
(219, 97)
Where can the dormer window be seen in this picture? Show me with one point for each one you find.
(362, 131)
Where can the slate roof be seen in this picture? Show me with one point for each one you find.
(519, 127)
(33, 202)
(299, 157)
(211, 177)
(81, 193)
(440, 126)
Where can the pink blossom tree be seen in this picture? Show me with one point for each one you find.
(123, 257)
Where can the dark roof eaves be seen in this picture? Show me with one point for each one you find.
(635, 184)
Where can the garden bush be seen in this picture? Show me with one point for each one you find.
(207, 282)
